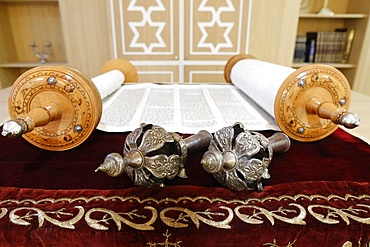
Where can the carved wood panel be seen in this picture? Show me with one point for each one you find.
(162, 34)
(215, 29)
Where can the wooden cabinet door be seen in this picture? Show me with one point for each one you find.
(215, 30)
(146, 30)
(177, 40)
(196, 36)
(193, 39)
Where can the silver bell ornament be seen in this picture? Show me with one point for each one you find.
(151, 155)
(239, 159)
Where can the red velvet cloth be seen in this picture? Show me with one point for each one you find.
(318, 195)
(340, 157)
(300, 213)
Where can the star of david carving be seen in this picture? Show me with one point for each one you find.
(215, 23)
(147, 27)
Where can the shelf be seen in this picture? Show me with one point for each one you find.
(30, 65)
(335, 16)
(23, 1)
(347, 16)
(335, 65)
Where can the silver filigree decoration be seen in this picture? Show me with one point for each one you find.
(239, 159)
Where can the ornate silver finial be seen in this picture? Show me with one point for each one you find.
(349, 120)
(239, 159)
(151, 155)
(113, 165)
(13, 128)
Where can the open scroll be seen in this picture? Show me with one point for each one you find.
(307, 104)
(184, 108)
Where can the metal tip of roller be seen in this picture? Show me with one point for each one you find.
(5, 133)
(350, 120)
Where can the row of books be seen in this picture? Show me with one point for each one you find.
(324, 47)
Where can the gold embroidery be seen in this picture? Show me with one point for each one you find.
(166, 243)
(273, 244)
(42, 216)
(4, 211)
(191, 199)
(349, 244)
(117, 218)
(345, 214)
(196, 217)
(178, 212)
(270, 215)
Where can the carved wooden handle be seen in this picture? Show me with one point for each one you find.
(42, 115)
(328, 110)
(38, 116)
(62, 101)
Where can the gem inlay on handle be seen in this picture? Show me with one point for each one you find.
(307, 103)
(57, 107)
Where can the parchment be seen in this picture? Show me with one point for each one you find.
(185, 108)
(260, 80)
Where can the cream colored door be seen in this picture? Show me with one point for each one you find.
(214, 31)
(146, 33)
(179, 40)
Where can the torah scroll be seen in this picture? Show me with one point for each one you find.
(57, 107)
(307, 103)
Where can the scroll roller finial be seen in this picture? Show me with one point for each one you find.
(350, 120)
(13, 128)
(239, 159)
(151, 155)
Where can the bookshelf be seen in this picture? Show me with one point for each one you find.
(346, 16)
(61, 22)
(335, 16)
(336, 65)
(22, 22)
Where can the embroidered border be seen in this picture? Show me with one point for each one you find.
(98, 212)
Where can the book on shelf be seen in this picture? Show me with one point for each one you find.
(348, 45)
(300, 49)
(324, 46)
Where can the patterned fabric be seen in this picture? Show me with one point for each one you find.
(318, 195)
(332, 212)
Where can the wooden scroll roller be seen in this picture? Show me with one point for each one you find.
(151, 155)
(307, 103)
(57, 107)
